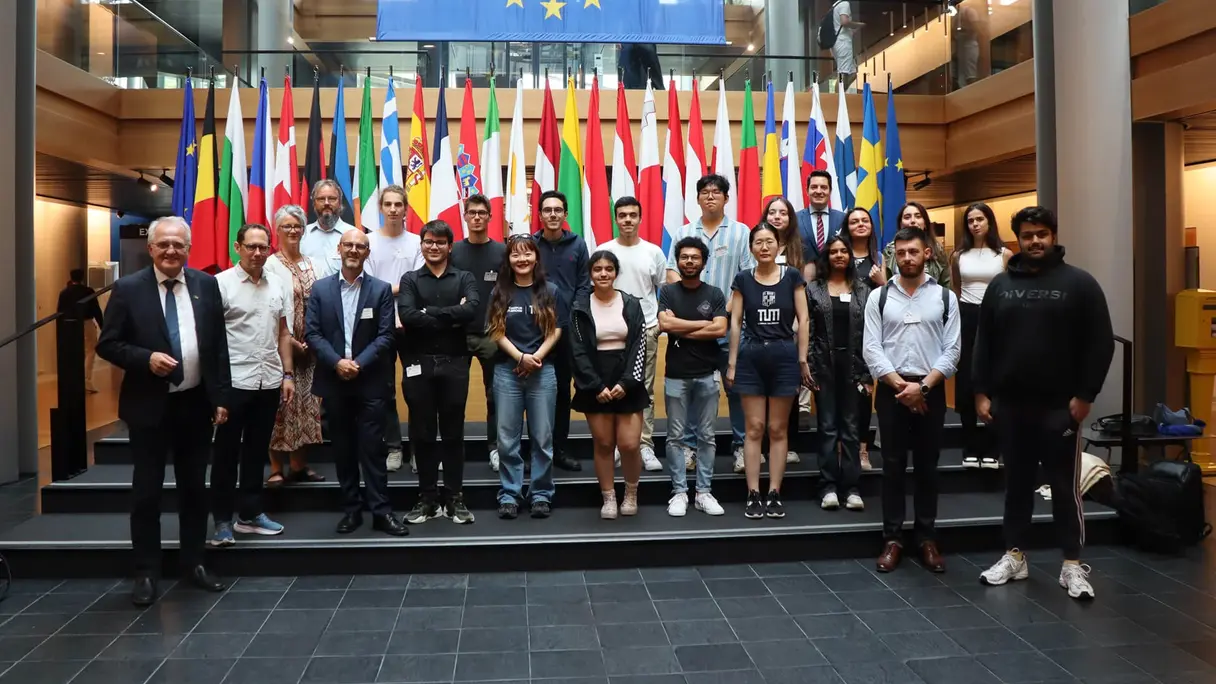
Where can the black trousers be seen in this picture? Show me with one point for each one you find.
(436, 395)
(486, 351)
(241, 444)
(1034, 433)
(964, 389)
(561, 419)
(840, 448)
(185, 429)
(356, 428)
(904, 432)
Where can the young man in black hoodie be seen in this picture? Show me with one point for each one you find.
(1042, 351)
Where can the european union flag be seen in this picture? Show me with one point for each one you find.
(585, 21)
(185, 170)
(891, 179)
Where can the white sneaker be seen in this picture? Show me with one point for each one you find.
(394, 461)
(649, 461)
(854, 503)
(677, 505)
(804, 420)
(690, 459)
(616, 458)
(793, 457)
(830, 502)
(739, 459)
(1007, 569)
(1075, 578)
(971, 461)
(990, 463)
(494, 460)
(706, 502)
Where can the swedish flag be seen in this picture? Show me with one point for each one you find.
(869, 193)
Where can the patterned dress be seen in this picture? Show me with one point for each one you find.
(299, 423)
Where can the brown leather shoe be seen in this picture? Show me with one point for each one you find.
(932, 557)
(889, 558)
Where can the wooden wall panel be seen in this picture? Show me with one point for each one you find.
(994, 91)
(993, 135)
(1169, 22)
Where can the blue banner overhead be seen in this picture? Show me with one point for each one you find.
(586, 21)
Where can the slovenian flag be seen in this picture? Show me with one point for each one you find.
(817, 155)
(793, 183)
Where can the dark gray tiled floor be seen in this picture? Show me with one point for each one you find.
(798, 623)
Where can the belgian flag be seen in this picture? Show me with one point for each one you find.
(203, 254)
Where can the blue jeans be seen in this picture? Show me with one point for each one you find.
(733, 402)
(535, 395)
(692, 405)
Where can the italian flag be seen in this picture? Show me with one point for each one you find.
(365, 166)
(491, 169)
(234, 184)
(570, 176)
(597, 203)
(749, 164)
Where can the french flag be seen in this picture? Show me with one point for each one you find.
(445, 193)
(673, 171)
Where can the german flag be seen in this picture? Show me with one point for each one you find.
(203, 252)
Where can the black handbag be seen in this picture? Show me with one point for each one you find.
(1141, 425)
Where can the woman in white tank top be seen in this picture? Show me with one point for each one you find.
(981, 257)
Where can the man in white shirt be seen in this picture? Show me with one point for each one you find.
(842, 50)
(260, 353)
(322, 236)
(643, 272)
(395, 252)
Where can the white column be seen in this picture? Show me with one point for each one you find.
(785, 34)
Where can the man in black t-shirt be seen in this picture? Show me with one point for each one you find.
(482, 257)
(693, 314)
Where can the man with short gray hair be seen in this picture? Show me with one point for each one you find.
(321, 237)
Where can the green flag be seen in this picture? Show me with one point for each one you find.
(365, 195)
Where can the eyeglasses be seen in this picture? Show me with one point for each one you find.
(290, 227)
(257, 249)
(328, 200)
(434, 243)
(166, 245)
(476, 213)
(552, 211)
(713, 192)
(354, 246)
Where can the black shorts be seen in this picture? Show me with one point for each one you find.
(768, 368)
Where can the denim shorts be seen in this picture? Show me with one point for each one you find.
(768, 368)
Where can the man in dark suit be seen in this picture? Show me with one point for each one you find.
(164, 327)
(819, 221)
(349, 325)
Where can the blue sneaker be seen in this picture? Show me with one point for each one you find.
(260, 525)
(222, 536)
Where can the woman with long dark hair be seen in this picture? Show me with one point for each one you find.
(837, 303)
(979, 259)
(863, 242)
(525, 319)
(609, 363)
(914, 215)
(768, 364)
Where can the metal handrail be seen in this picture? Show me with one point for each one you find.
(55, 316)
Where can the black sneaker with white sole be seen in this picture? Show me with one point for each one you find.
(773, 508)
(754, 510)
(990, 463)
(457, 511)
(423, 511)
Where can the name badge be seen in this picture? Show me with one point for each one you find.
(413, 371)
(780, 259)
(911, 317)
(491, 276)
(846, 297)
(367, 314)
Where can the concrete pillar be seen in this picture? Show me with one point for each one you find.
(1089, 74)
(785, 33)
(18, 361)
(252, 25)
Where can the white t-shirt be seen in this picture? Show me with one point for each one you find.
(392, 257)
(842, 50)
(976, 268)
(643, 272)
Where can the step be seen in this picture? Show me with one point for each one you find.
(97, 545)
(107, 488)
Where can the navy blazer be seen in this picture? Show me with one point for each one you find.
(806, 230)
(371, 343)
(135, 328)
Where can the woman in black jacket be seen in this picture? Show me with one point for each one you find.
(837, 312)
(609, 364)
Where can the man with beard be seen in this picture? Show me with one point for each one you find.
(1043, 349)
(819, 221)
(322, 236)
(911, 345)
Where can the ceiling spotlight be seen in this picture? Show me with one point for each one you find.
(291, 41)
(165, 180)
(923, 183)
(751, 47)
(152, 187)
(428, 46)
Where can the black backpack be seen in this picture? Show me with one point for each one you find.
(827, 34)
(882, 302)
(1161, 507)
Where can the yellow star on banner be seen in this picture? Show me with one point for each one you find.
(553, 8)
(190, 150)
(589, 3)
(517, 3)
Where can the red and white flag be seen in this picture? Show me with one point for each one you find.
(723, 162)
(673, 172)
(597, 200)
(286, 166)
(624, 161)
(694, 157)
(548, 154)
(650, 174)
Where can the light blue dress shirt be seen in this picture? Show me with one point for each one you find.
(350, 308)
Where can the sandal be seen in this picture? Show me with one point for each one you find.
(306, 475)
(275, 480)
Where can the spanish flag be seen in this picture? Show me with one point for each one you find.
(204, 252)
(418, 167)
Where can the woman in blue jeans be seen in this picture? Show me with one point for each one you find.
(525, 320)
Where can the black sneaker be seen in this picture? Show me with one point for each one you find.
(754, 509)
(457, 511)
(540, 509)
(508, 511)
(423, 511)
(773, 507)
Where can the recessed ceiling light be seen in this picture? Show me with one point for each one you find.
(291, 41)
(751, 48)
(428, 46)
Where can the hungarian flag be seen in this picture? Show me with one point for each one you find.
(418, 167)
(468, 154)
(491, 168)
(261, 164)
(185, 172)
(723, 162)
(650, 174)
(624, 160)
(748, 195)
(515, 205)
(234, 184)
(339, 160)
(793, 183)
(673, 172)
(367, 214)
(548, 149)
(202, 224)
(694, 157)
(445, 193)
(570, 174)
(314, 151)
(597, 202)
(286, 165)
(771, 179)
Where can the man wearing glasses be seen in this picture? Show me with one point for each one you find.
(483, 257)
(321, 237)
(260, 349)
(350, 328)
(394, 252)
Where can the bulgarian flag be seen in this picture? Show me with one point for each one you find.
(367, 215)
(491, 168)
(650, 175)
(234, 184)
(570, 177)
(597, 202)
(445, 193)
(749, 164)
(515, 205)
(286, 164)
(548, 149)
(418, 167)
(624, 161)
(202, 222)
(771, 188)
(694, 157)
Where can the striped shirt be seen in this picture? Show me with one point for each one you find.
(728, 251)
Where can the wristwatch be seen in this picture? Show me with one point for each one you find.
(924, 389)
(289, 376)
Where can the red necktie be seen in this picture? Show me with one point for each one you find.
(819, 235)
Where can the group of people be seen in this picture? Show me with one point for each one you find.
(802, 303)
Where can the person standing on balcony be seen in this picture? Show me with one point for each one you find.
(845, 24)
(69, 299)
(165, 329)
(321, 238)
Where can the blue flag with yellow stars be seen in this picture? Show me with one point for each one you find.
(586, 21)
